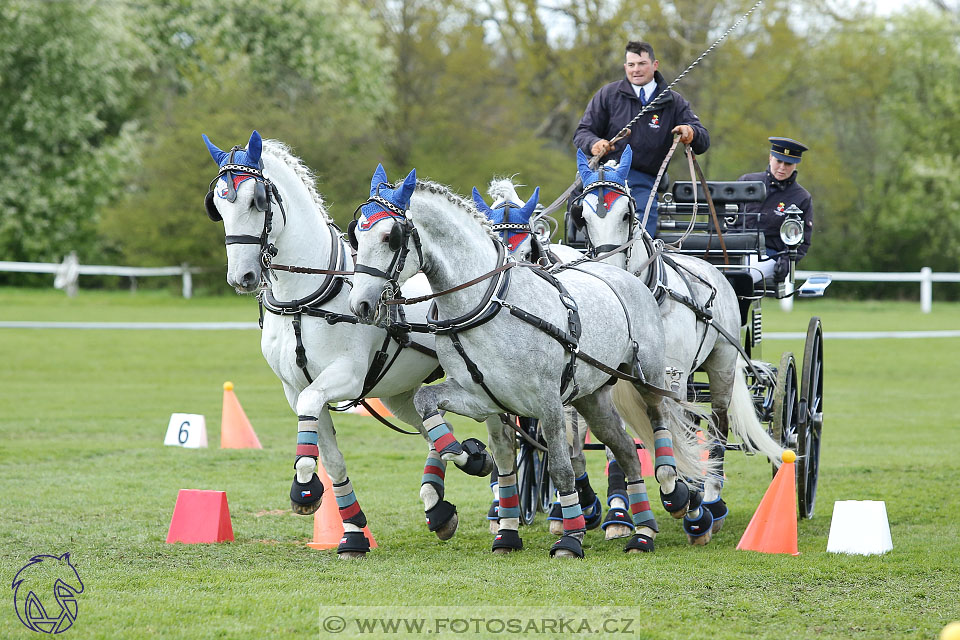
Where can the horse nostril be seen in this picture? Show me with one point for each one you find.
(363, 310)
(248, 279)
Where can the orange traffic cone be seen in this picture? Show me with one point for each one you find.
(235, 429)
(200, 517)
(376, 405)
(773, 528)
(327, 525)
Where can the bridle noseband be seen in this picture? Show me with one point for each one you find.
(264, 193)
(399, 243)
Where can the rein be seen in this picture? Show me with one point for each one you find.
(478, 279)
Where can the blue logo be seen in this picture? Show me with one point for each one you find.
(45, 593)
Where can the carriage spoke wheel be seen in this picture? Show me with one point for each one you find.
(811, 398)
(528, 462)
(546, 491)
(786, 403)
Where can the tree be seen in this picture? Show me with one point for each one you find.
(68, 88)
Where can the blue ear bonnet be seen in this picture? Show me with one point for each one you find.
(619, 175)
(398, 196)
(512, 214)
(249, 157)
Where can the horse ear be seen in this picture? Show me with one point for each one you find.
(254, 147)
(583, 165)
(218, 156)
(406, 189)
(527, 210)
(626, 159)
(379, 177)
(481, 204)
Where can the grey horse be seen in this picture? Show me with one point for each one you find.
(571, 333)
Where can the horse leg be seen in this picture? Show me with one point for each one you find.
(493, 513)
(471, 456)
(677, 498)
(502, 443)
(589, 503)
(561, 471)
(629, 487)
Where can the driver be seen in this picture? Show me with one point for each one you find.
(783, 190)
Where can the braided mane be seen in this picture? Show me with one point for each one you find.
(466, 205)
(281, 151)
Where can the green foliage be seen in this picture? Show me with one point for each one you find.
(68, 87)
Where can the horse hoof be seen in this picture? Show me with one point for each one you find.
(555, 519)
(614, 531)
(305, 509)
(556, 527)
(502, 552)
(448, 528)
(700, 541)
(563, 553)
(349, 555)
(717, 525)
(494, 527)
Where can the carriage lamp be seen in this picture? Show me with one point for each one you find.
(791, 231)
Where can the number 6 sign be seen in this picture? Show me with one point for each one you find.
(186, 430)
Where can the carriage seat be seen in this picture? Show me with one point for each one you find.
(742, 282)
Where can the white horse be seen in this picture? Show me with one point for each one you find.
(273, 215)
(566, 337)
(697, 305)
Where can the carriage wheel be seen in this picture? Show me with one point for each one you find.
(811, 396)
(527, 482)
(786, 402)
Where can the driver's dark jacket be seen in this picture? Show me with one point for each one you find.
(615, 104)
(780, 195)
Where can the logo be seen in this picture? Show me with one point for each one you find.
(655, 121)
(45, 593)
(781, 207)
(305, 494)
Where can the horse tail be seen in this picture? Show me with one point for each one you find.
(681, 418)
(744, 424)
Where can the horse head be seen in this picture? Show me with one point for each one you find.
(608, 210)
(241, 197)
(510, 216)
(382, 235)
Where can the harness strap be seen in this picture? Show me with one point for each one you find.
(475, 373)
(299, 350)
(478, 279)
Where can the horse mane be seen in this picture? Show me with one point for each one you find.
(503, 190)
(463, 203)
(281, 151)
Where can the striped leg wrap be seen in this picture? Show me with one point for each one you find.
(640, 505)
(434, 470)
(440, 434)
(573, 522)
(350, 511)
(663, 445)
(509, 502)
(307, 437)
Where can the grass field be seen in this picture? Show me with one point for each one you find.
(83, 469)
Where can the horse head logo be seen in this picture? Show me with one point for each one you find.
(38, 578)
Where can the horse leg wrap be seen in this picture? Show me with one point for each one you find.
(573, 520)
(589, 502)
(353, 541)
(494, 512)
(305, 496)
(556, 512)
(663, 449)
(479, 461)
(440, 435)
(439, 515)
(702, 524)
(641, 514)
(350, 511)
(434, 471)
(616, 490)
(509, 502)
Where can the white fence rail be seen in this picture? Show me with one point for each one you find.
(69, 270)
(926, 277)
(67, 273)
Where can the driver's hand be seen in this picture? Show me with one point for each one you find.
(781, 269)
(600, 148)
(685, 131)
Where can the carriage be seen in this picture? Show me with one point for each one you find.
(792, 412)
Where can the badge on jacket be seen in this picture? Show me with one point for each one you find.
(655, 121)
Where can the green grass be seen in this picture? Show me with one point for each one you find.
(83, 469)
